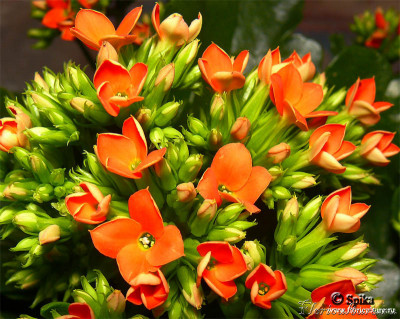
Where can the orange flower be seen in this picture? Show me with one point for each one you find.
(141, 244)
(304, 65)
(78, 310)
(93, 27)
(380, 20)
(269, 64)
(375, 39)
(89, 207)
(339, 215)
(117, 87)
(60, 17)
(295, 100)
(326, 296)
(266, 285)
(327, 147)
(220, 266)
(126, 154)
(174, 29)
(360, 102)
(150, 289)
(142, 32)
(12, 130)
(376, 147)
(233, 178)
(221, 72)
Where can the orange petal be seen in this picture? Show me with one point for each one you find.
(109, 238)
(351, 93)
(278, 289)
(276, 92)
(132, 129)
(92, 27)
(382, 106)
(292, 83)
(225, 289)
(232, 165)
(221, 251)
(227, 81)
(138, 75)
(167, 248)
(105, 94)
(128, 23)
(81, 310)
(391, 150)
(208, 186)
(345, 150)
(262, 273)
(358, 210)
(230, 271)
(344, 287)
(132, 261)
(75, 201)
(53, 17)
(256, 184)
(366, 91)
(144, 210)
(114, 73)
(240, 62)
(311, 98)
(217, 58)
(87, 215)
(205, 69)
(151, 159)
(155, 18)
(133, 295)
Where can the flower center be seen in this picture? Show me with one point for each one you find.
(263, 288)
(135, 163)
(121, 94)
(212, 263)
(223, 189)
(147, 241)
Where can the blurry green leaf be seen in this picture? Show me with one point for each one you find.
(337, 43)
(302, 45)
(356, 61)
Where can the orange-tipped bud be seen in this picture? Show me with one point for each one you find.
(116, 302)
(186, 192)
(166, 76)
(279, 153)
(352, 274)
(208, 209)
(49, 235)
(240, 129)
(106, 52)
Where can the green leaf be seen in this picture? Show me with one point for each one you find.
(356, 61)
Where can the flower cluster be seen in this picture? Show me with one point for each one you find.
(108, 169)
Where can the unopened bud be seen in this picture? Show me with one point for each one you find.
(215, 138)
(190, 291)
(240, 129)
(27, 222)
(305, 182)
(217, 109)
(196, 126)
(275, 172)
(256, 253)
(280, 192)
(106, 52)
(116, 302)
(186, 192)
(229, 214)
(166, 77)
(208, 209)
(50, 234)
(354, 275)
(80, 104)
(166, 113)
(189, 170)
(279, 153)
(41, 82)
(309, 212)
(228, 234)
(143, 115)
(355, 251)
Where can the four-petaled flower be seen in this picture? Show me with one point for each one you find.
(377, 146)
(220, 266)
(117, 87)
(339, 214)
(141, 244)
(266, 285)
(89, 206)
(232, 177)
(296, 101)
(93, 27)
(174, 29)
(360, 102)
(327, 147)
(150, 289)
(126, 154)
(221, 72)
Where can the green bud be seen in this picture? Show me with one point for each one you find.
(172, 155)
(193, 139)
(164, 172)
(362, 264)
(143, 116)
(22, 156)
(20, 190)
(298, 180)
(24, 278)
(229, 214)
(102, 286)
(197, 127)
(203, 218)
(189, 170)
(191, 77)
(57, 177)
(255, 253)
(183, 152)
(44, 101)
(193, 294)
(43, 135)
(7, 214)
(280, 192)
(172, 133)
(44, 193)
(287, 221)
(242, 224)
(157, 137)
(26, 244)
(345, 252)
(288, 245)
(215, 139)
(166, 113)
(184, 59)
(275, 171)
(228, 234)
(252, 109)
(308, 214)
(116, 302)
(28, 222)
(16, 175)
(41, 167)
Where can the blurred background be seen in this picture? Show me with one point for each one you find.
(19, 62)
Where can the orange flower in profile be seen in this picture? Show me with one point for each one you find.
(360, 102)
(93, 27)
(269, 64)
(296, 101)
(89, 206)
(266, 285)
(304, 65)
(339, 214)
(126, 154)
(60, 16)
(142, 32)
(142, 243)
(377, 146)
(221, 72)
(174, 29)
(117, 87)
(220, 266)
(325, 297)
(79, 310)
(232, 177)
(150, 289)
(327, 147)
(12, 130)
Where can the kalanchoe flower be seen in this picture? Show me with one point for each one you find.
(60, 16)
(360, 102)
(150, 289)
(141, 244)
(78, 310)
(296, 101)
(142, 32)
(221, 72)
(174, 29)
(89, 207)
(377, 146)
(93, 27)
(266, 285)
(220, 266)
(327, 147)
(126, 154)
(8, 134)
(339, 215)
(324, 297)
(304, 65)
(117, 87)
(233, 178)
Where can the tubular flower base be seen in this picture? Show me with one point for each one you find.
(134, 192)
